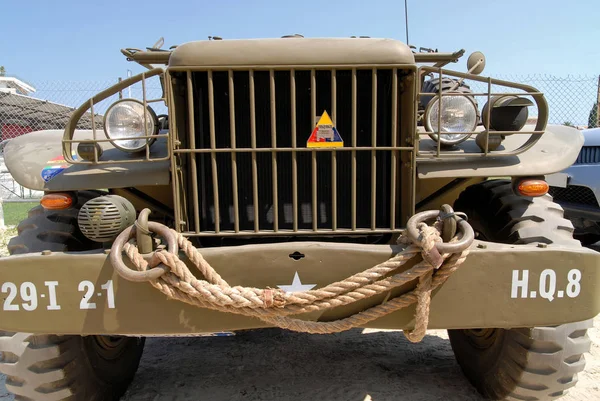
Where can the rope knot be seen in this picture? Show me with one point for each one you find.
(429, 237)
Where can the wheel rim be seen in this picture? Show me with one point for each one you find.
(109, 347)
(482, 338)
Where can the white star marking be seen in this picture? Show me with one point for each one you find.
(297, 285)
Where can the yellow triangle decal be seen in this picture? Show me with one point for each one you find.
(325, 119)
(325, 135)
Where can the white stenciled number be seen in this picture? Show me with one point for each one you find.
(574, 287)
(110, 294)
(29, 296)
(88, 287)
(11, 289)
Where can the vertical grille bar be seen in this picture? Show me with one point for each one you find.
(253, 145)
(353, 196)
(93, 131)
(274, 154)
(440, 112)
(489, 110)
(193, 158)
(333, 154)
(374, 152)
(294, 154)
(234, 174)
(146, 133)
(313, 114)
(172, 140)
(394, 143)
(213, 155)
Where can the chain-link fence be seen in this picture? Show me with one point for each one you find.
(572, 100)
(33, 106)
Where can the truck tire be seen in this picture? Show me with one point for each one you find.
(538, 363)
(64, 367)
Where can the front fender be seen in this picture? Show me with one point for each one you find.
(36, 161)
(556, 150)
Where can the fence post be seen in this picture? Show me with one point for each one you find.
(597, 105)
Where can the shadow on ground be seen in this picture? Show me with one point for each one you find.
(272, 364)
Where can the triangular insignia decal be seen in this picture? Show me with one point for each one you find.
(325, 135)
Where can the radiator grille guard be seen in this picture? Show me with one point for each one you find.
(239, 159)
(247, 166)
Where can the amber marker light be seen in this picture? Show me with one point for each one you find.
(56, 201)
(533, 188)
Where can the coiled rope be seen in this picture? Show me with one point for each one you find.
(171, 276)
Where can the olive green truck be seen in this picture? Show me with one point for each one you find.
(312, 184)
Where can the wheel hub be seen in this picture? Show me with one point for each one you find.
(482, 338)
(109, 347)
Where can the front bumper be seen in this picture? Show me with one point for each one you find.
(498, 286)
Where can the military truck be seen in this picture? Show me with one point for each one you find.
(316, 175)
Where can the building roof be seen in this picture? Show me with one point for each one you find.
(27, 111)
(15, 85)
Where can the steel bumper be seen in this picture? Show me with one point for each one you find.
(498, 286)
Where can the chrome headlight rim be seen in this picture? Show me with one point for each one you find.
(430, 130)
(115, 141)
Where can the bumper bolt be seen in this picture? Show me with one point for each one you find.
(542, 245)
(481, 246)
(46, 253)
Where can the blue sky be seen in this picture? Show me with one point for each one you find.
(80, 40)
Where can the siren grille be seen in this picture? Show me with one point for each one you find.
(102, 219)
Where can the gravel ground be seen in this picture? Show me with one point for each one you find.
(5, 236)
(271, 364)
(358, 365)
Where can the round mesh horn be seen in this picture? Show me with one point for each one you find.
(102, 219)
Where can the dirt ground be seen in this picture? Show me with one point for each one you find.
(358, 365)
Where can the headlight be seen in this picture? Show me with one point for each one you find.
(124, 125)
(459, 114)
(508, 113)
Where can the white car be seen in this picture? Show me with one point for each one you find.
(577, 189)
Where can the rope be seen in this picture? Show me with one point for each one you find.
(277, 307)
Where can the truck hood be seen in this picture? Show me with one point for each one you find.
(291, 52)
(591, 137)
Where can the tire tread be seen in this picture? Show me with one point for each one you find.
(539, 363)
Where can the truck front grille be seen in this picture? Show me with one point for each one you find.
(574, 194)
(247, 167)
(588, 155)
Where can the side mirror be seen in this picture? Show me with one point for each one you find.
(476, 63)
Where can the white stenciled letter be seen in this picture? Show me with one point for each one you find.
(52, 305)
(548, 284)
(519, 283)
